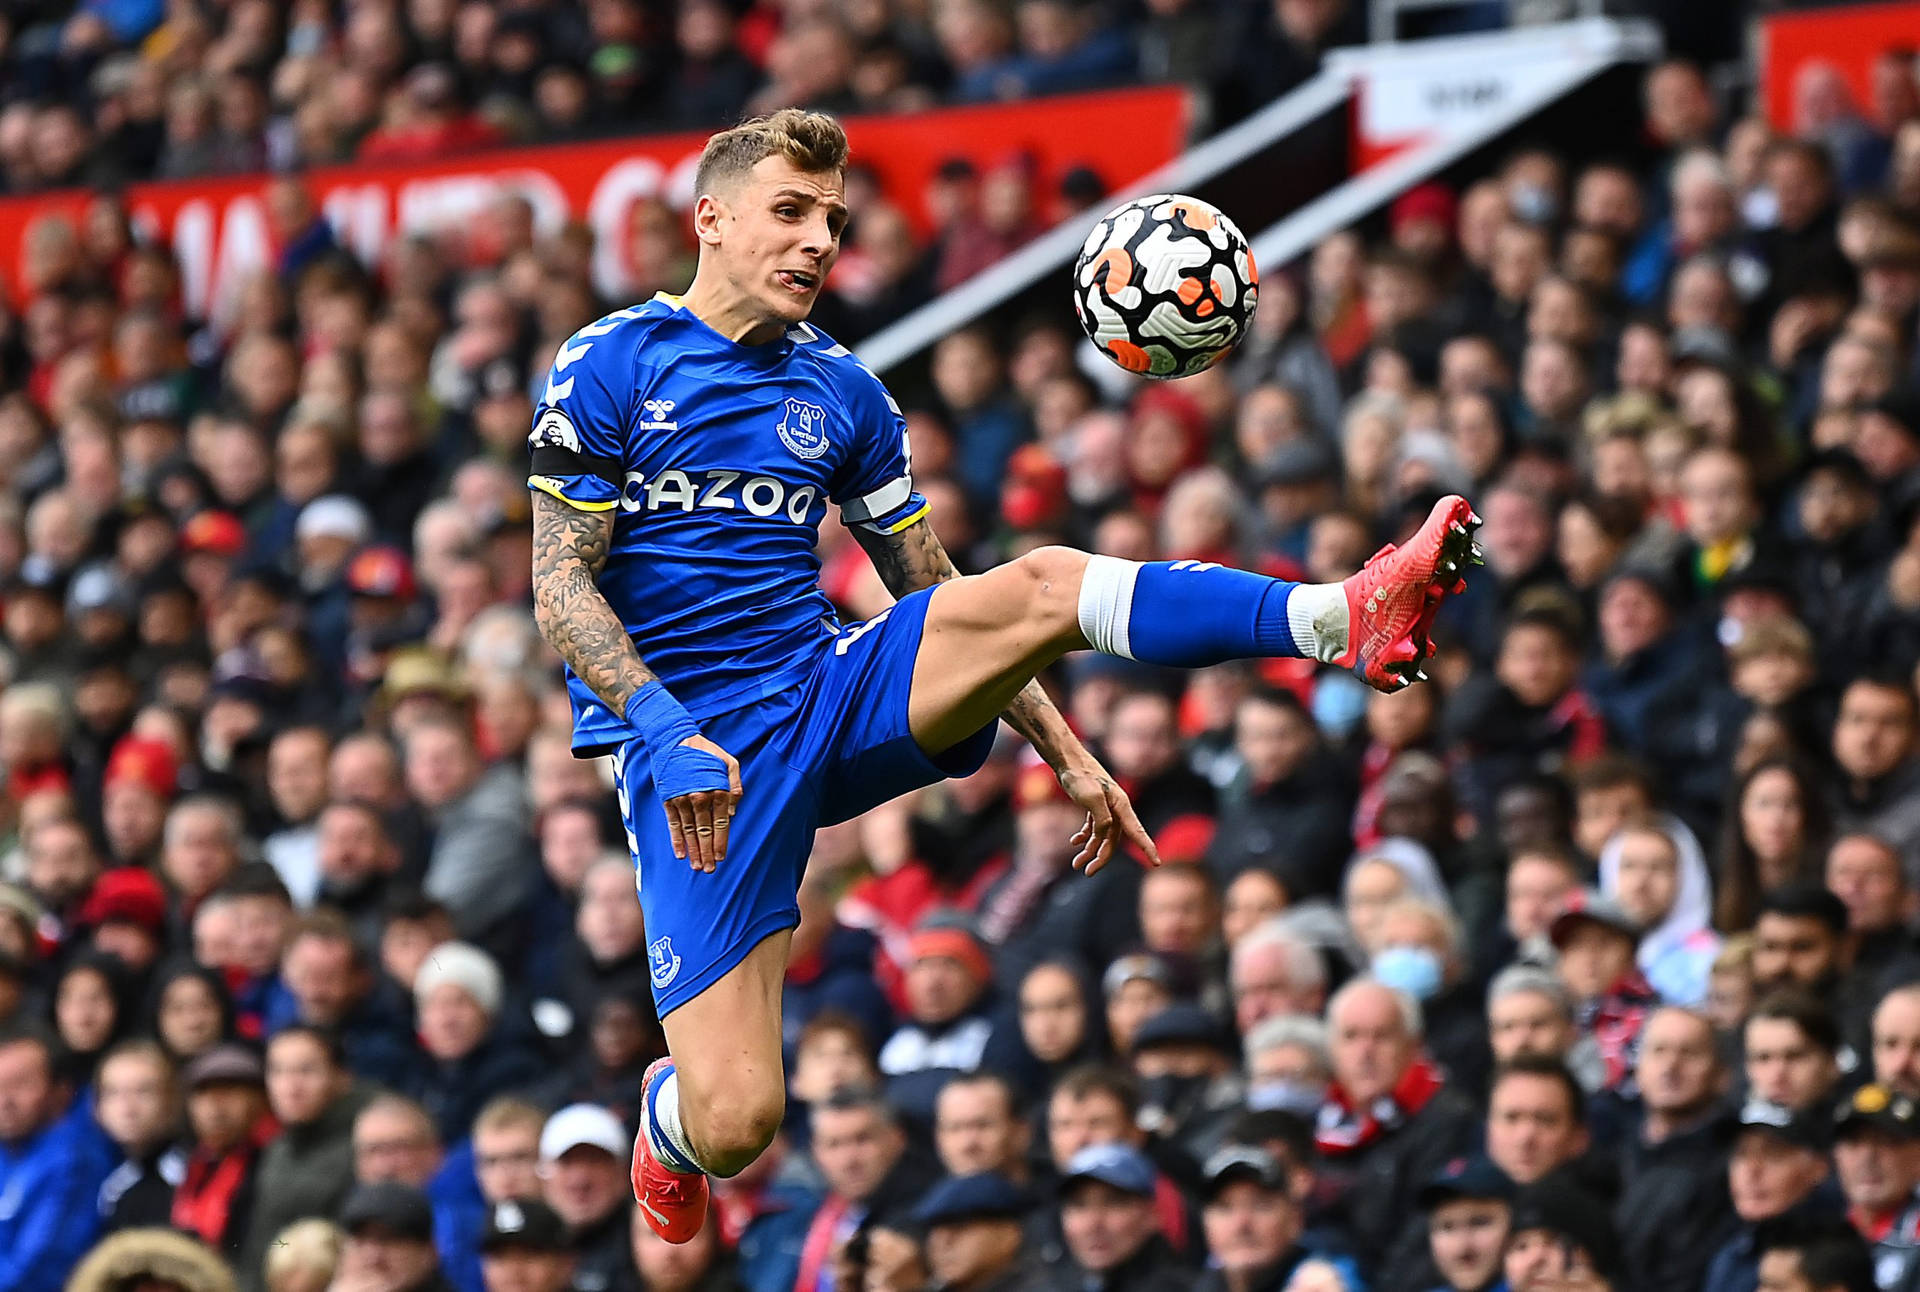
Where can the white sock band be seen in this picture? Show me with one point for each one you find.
(1106, 604)
(666, 1124)
(1317, 618)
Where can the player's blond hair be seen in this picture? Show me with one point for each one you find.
(812, 141)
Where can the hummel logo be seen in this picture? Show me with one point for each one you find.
(656, 415)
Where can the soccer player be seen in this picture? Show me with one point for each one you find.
(683, 456)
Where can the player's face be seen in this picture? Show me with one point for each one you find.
(777, 233)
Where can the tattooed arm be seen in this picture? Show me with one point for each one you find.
(569, 551)
(914, 559)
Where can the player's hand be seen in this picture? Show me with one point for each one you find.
(1110, 818)
(697, 821)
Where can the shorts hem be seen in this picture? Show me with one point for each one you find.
(683, 990)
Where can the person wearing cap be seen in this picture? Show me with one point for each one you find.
(1390, 1119)
(1597, 941)
(141, 779)
(1559, 1233)
(389, 1247)
(946, 1028)
(230, 1122)
(1779, 1168)
(523, 1248)
(1112, 1237)
(52, 1165)
(126, 915)
(457, 994)
(1190, 1082)
(1469, 1208)
(975, 1232)
(1673, 1207)
(1252, 1223)
(1876, 1158)
(583, 1155)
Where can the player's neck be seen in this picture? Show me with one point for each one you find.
(732, 314)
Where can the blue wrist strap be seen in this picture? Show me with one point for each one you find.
(658, 717)
(665, 726)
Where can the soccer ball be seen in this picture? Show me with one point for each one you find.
(1165, 285)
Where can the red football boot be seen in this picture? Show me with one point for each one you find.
(675, 1205)
(1392, 600)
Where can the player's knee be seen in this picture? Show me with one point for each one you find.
(736, 1129)
(1053, 585)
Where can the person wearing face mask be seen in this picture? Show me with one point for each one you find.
(1287, 1065)
(1189, 1086)
(1658, 875)
(1419, 953)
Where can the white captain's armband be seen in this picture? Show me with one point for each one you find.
(887, 510)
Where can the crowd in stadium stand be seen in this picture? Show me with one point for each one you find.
(114, 90)
(1589, 967)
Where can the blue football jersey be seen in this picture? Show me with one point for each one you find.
(717, 461)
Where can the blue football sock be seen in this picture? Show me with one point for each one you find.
(1189, 614)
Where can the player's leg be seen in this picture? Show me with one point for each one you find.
(717, 951)
(987, 635)
(727, 1091)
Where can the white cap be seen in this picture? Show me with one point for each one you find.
(578, 1124)
(466, 967)
(334, 516)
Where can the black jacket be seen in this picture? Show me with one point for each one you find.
(1154, 1268)
(1300, 827)
(1674, 1211)
(1273, 1279)
(1374, 1187)
(139, 1193)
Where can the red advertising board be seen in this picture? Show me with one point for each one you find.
(218, 227)
(1847, 36)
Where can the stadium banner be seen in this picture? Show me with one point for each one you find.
(219, 231)
(1846, 38)
(1415, 93)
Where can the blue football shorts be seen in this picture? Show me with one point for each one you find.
(813, 756)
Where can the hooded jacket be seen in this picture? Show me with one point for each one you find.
(157, 1255)
(1677, 954)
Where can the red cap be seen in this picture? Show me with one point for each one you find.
(1433, 202)
(218, 532)
(128, 895)
(1035, 492)
(381, 572)
(1185, 838)
(146, 762)
(952, 944)
(1036, 784)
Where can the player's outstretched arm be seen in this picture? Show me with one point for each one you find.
(699, 782)
(913, 559)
